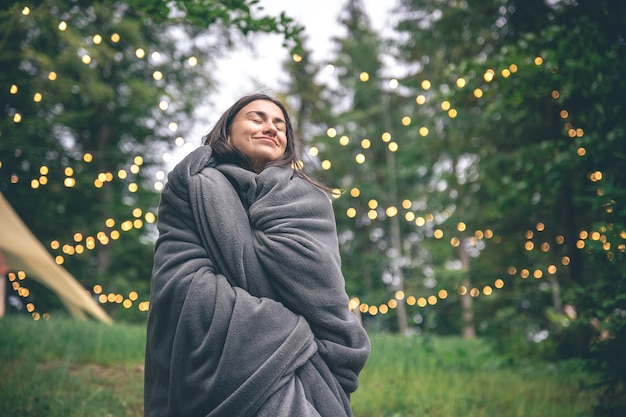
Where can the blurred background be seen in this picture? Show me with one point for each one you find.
(476, 151)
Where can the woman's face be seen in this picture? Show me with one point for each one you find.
(259, 132)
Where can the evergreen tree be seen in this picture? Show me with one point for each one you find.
(537, 94)
(93, 96)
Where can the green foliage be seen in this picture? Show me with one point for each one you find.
(550, 168)
(603, 316)
(235, 14)
(96, 116)
(93, 95)
(509, 128)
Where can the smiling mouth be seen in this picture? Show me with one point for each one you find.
(266, 138)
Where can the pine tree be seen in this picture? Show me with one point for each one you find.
(94, 96)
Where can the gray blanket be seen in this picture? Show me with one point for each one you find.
(248, 311)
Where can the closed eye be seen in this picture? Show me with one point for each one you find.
(258, 118)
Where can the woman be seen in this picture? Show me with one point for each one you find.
(248, 311)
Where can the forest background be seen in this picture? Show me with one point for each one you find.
(476, 154)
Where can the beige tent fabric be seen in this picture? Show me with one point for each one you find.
(23, 252)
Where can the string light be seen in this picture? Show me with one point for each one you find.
(81, 243)
(127, 225)
(16, 279)
(524, 273)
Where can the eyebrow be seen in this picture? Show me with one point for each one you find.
(263, 115)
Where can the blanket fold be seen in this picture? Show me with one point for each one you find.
(248, 312)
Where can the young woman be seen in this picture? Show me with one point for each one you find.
(249, 314)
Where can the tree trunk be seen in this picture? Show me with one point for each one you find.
(4, 270)
(557, 302)
(403, 323)
(397, 273)
(103, 253)
(469, 329)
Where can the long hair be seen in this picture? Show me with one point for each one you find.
(217, 139)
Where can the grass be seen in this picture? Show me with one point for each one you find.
(69, 368)
(450, 377)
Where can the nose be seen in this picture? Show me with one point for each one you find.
(269, 127)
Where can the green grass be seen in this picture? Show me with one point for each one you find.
(450, 377)
(67, 368)
(70, 368)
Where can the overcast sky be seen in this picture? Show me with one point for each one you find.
(260, 70)
(319, 17)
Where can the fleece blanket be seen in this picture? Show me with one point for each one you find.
(249, 314)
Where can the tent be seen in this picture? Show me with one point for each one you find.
(23, 252)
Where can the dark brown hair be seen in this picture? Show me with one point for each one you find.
(217, 139)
